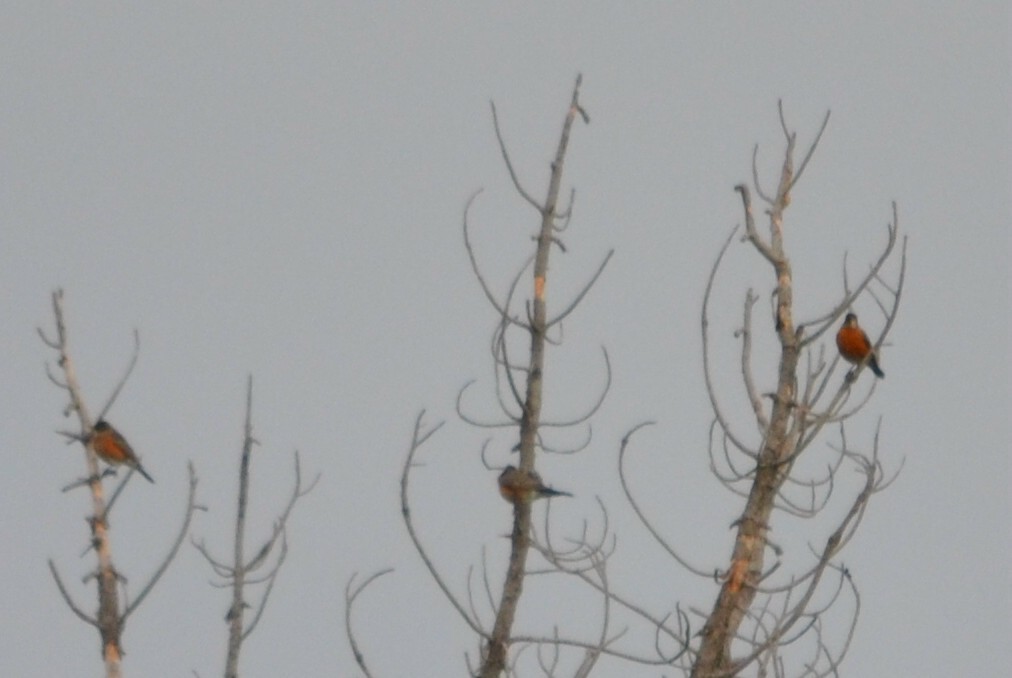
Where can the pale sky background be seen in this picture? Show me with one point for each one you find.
(277, 189)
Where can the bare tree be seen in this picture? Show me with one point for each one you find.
(261, 568)
(519, 399)
(761, 608)
(536, 325)
(112, 615)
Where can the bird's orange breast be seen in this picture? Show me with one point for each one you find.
(853, 343)
(107, 447)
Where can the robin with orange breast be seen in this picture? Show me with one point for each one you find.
(518, 486)
(113, 449)
(855, 346)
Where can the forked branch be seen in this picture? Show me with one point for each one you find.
(242, 571)
(111, 617)
(786, 430)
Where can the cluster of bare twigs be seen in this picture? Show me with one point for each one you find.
(243, 572)
(763, 605)
(756, 615)
(761, 608)
(112, 615)
(518, 392)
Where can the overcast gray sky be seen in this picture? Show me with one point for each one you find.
(277, 189)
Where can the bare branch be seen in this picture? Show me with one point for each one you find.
(830, 319)
(500, 345)
(582, 293)
(350, 596)
(707, 370)
(126, 375)
(569, 449)
(592, 410)
(270, 578)
(81, 614)
(500, 308)
(811, 151)
(473, 421)
(639, 512)
(418, 438)
(237, 574)
(746, 365)
(108, 620)
(220, 568)
(755, 176)
(183, 531)
(751, 233)
(509, 163)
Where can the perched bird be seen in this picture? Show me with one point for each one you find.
(518, 486)
(855, 346)
(114, 450)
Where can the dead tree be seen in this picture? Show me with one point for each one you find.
(261, 568)
(760, 610)
(112, 615)
(491, 612)
(494, 654)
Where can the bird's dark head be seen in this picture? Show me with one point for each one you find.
(102, 425)
(850, 320)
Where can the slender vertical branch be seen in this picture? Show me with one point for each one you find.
(108, 618)
(496, 649)
(350, 595)
(237, 573)
(235, 612)
(184, 529)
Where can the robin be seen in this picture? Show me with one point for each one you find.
(517, 486)
(114, 450)
(855, 346)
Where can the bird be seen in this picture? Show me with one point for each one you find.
(855, 346)
(114, 450)
(517, 486)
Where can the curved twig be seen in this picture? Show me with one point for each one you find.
(582, 293)
(746, 365)
(811, 150)
(126, 375)
(848, 300)
(349, 601)
(509, 163)
(755, 176)
(81, 614)
(594, 408)
(639, 512)
(471, 420)
(474, 262)
(705, 324)
(270, 578)
(574, 449)
(418, 438)
(183, 530)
